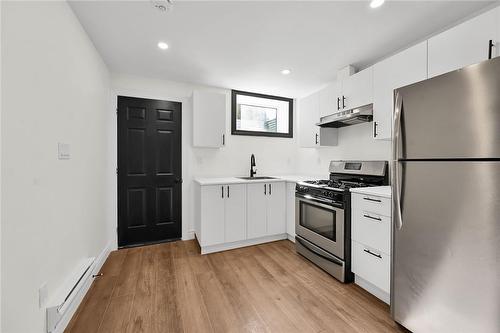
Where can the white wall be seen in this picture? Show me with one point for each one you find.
(355, 143)
(273, 155)
(55, 89)
(1, 164)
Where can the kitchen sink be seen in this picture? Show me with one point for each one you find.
(256, 178)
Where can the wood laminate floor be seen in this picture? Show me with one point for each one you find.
(265, 288)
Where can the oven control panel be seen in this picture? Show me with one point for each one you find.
(336, 196)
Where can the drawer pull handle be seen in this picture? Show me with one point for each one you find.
(370, 199)
(373, 218)
(372, 253)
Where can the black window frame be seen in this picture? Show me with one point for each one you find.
(234, 131)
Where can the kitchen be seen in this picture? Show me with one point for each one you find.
(270, 192)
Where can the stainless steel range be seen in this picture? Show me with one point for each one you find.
(323, 214)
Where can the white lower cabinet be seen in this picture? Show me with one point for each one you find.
(276, 208)
(290, 210)
(256, 210)
(234, 215)
(222, 214)
(371, 247)
(266, 209)
(372, 265)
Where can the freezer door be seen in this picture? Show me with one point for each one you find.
(455, 115)
(446, 248)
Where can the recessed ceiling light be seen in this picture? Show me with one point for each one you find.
(376, 3)
(163, 45)
(286, 71)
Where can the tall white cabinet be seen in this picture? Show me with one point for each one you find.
(464, 44)
(404, 68)
(209, 119)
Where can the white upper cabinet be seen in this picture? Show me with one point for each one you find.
(404, 68)
(209, 119)
(465, 44)
(311, 135)
(357, 90)
(308, 117)
(329, 99)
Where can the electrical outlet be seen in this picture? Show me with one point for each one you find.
(43, 294)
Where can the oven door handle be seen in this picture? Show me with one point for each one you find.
(329, 258)
(317, 201)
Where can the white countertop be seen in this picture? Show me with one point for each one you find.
(236, 180)
(380, 191)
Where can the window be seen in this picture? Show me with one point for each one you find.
(261, 115)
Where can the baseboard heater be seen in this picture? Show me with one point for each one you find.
(61, 301)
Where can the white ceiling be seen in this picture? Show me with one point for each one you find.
(244, 45)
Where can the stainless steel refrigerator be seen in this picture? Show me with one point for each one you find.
(445, 274)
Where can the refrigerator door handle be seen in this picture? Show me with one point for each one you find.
(396, 186)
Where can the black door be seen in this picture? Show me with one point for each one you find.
(149, 171)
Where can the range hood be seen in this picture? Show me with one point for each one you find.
(343, 118)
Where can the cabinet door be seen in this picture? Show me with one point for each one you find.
(308, 117)
(209, 119)
(290, 209)
(357, 89)
(212, 215)
(276, 208)
(463, 45)
(329, 99)
(235, 213)
(256, 210)
(404, 68)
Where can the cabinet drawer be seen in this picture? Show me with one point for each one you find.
(372, 204)
(371, 265)
(372, 229)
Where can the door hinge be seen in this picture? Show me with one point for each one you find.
(116, 111)
(116, 170)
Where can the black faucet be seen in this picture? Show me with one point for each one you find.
(252, 165)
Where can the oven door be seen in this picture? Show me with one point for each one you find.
(320, 222)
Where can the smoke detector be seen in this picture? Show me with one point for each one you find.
(163, 5)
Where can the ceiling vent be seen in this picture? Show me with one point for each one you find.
(163, 5)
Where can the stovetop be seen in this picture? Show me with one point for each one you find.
(335, 184)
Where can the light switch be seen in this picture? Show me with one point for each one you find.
(63, 150)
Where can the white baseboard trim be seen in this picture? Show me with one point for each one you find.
(290, 238)
(373, 289)
(61, 326)
(243, 243)
(189, 235)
